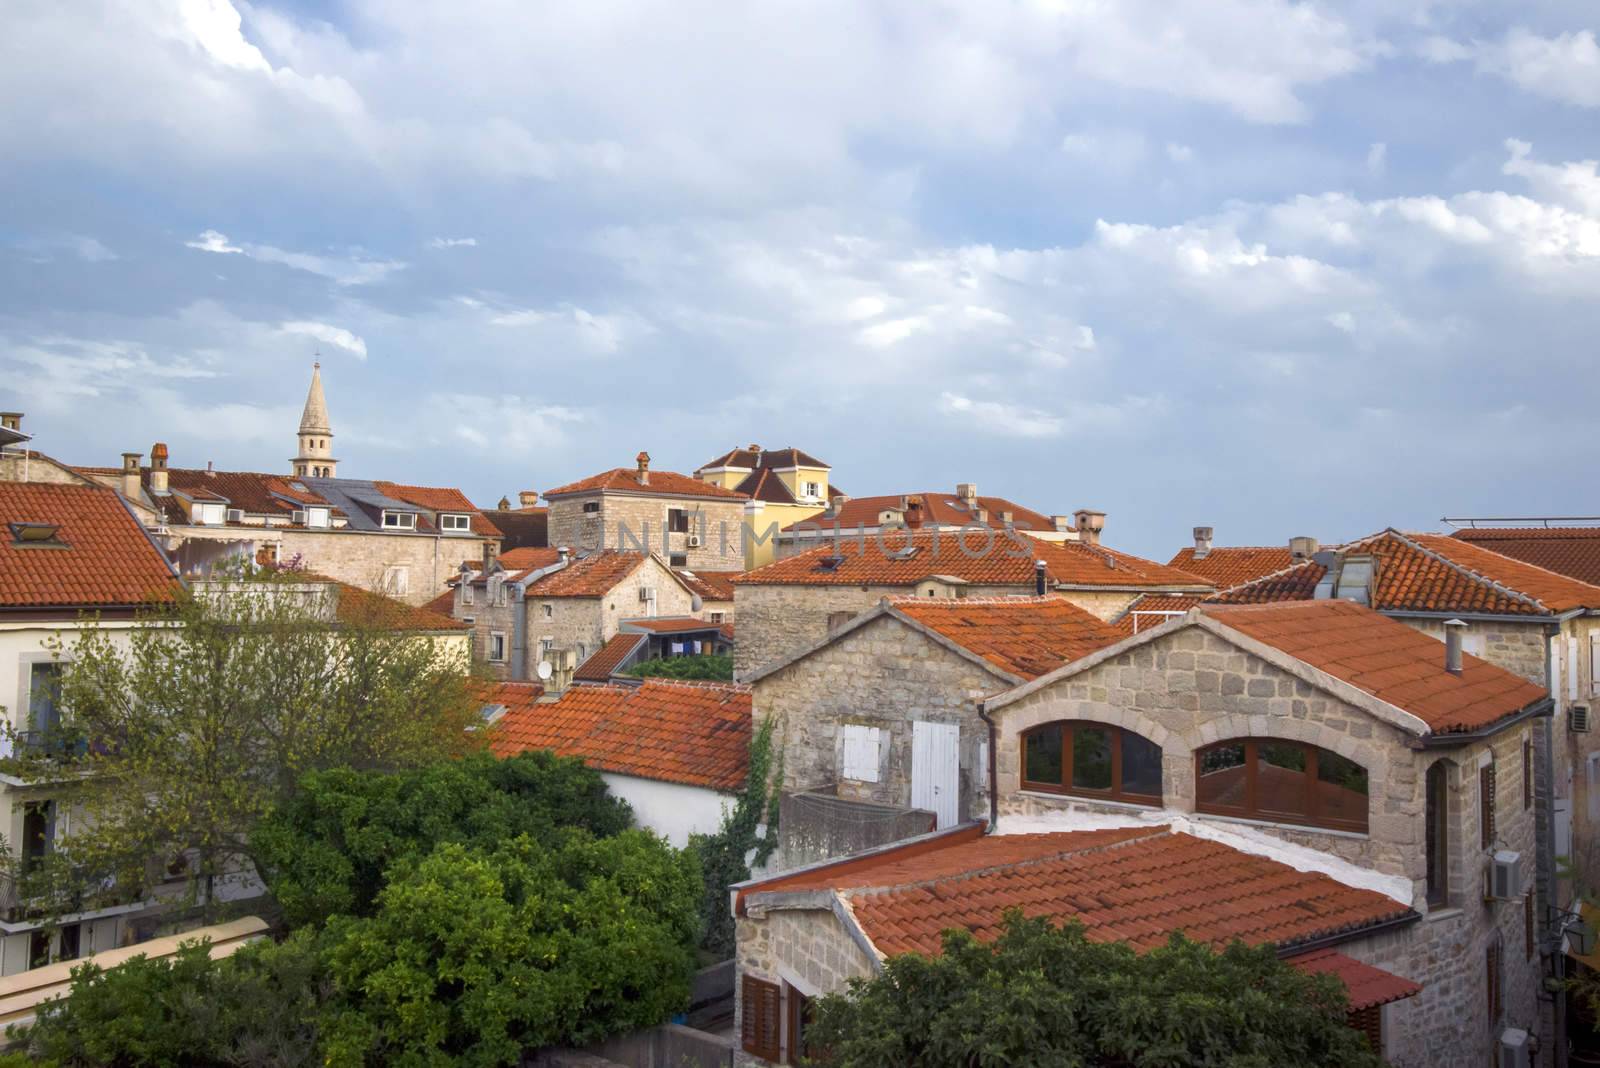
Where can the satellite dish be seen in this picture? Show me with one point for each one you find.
(696, 603)
(544, 669)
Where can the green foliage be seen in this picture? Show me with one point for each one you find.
(472, 956)
(256, 1009)
(1047, 996)
(726, 857)
(214, 708)
(325, 851)
(709, 667)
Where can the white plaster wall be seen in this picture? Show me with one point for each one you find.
(670, 809)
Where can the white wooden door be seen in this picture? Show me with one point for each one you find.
(936, 770)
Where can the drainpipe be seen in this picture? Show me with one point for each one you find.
(519, 631)
(1545, 862)
(994, 777)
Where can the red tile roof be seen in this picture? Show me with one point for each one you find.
(528, 557)
(366, 608)
(254, 492)
(789, 456)
(944, 509)
(697, 734)
(1297, 583)
(594, 575)
(1570, 551)
(1000, 561)
(1366, 985)
(626, 480)
(1154, 609)
(710, 585)
(1133, 885)
(1231, 565)
(109, 560)
(604, 661)
(444, 604)
(1556, 592)
(672, 624)
(440, 499)
(1026, 636)
(1387, 659)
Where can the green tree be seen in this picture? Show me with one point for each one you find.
(710, 667)
(326, 850)
(727, 856)
(472, 956)
(1048, 996)
(186, 733)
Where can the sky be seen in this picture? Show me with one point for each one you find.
(1277, 268)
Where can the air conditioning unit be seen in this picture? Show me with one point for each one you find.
(1578, 719)
(298, 517)
(1515, 1051)
(1504, 876)
(236, 515)
(694, 541)
(647, 593)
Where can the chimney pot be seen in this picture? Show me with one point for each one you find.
(1038, 578)
(504, 505)
(529, 498)
(643, 460)
(1454, 631)
(130, 475)
(837, 504)
(158, 467)
(1089, 523)
(1202, 542)
(11, 420)
(1303, 547)
(562, 553)
(211, 468)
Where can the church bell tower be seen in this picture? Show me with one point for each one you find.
(315, 457)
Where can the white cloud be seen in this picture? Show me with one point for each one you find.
(336, 336)
(499, 422)
(604, 334)
(998, 417)
(1377, 159)
(882, 335)
(1179, 153)
(453, 242)
(1565, 67)
(353, 270)
(212, 241)
(214, 25)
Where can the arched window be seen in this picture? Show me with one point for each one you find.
(1091, 760)
(1280, 781)
(1437, 831)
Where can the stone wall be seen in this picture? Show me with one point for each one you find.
(361, 558)
(1103, 604)
(1190, 688)
(885, 675)
(583, 624)
(487, 617)
(810, 950)
(639, 523)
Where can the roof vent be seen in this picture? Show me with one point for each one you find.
(1454, 629)
(1303, 547)
(1039, 578)
(1202, 542)
(37, 535)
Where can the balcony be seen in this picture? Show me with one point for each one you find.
(58, 743)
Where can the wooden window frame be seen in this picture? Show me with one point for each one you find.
(761, 1018)
(1065, 787)
(1486, 806)
(795, 1023)
(1251, 809)
(1437, 809)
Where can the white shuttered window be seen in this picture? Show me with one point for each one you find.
(860, 756)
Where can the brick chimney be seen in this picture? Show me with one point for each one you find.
(130, 475)
(158, 467)
(11, 420)
(1202, 542)
(1089, 523)
(914, 513)
(643, 460)
(528, 498)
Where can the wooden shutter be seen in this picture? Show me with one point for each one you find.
(796, 1013)
(1486, 804)
(761, 1018)
(1369, 1021)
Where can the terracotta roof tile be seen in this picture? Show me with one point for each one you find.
(626, 480)
(594, 575)
(253, 491)
(1556, 592)
(1366, 985)
(1296, 583)
(697, 734)
(444, 604)
(788, 456)
(944, 509)
(108, 561)
(1230, 565)
(604, 661)
(1387, 659)
(710, 585)
(1000, 561)
(1133, 885)
(1154, 609)
(441, 499)
(672, 624)
(1570, 551)
(364, 607)
(1026, 636)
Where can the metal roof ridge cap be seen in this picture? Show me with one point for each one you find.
(1515, 595)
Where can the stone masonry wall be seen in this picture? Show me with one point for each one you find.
(1103, 604)
(583, 624)
(361, 558)
(885, 675)
(810, 950)
(717, 521)
(1189, 689)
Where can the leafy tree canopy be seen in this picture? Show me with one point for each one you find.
(326, 850)
(1048, 996)
(709, 667)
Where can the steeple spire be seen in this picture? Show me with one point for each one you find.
(315, 456)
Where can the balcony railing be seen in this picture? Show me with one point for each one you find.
(52, 743)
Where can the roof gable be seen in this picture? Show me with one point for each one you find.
(660, 483)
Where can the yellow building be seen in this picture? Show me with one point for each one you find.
(784, 486)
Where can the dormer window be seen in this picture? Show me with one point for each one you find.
(813, 490)
(317, 517)
(399, 521)
(208, 513)
(1355, 579)
(454, 523)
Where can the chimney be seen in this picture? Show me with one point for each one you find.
(504, 505)
(967, 491)
(836, 505)
(643, 460)
(1303, 548)
(158, 467)
(1038, 578)
(11, 420)
(1454, 630)
(130, 475)
(563, 553)
(489, 552)
(1089, 523)
(1061, 523)
(1202, 542)
(211, 469)
(529, 498)
(914, 513)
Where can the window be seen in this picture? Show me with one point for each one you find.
(1527, 772)
(796, 1021)
(397, 580)
(859, 752)
(500, 593)
(1092, 760)
(44, 697)
(316, 517)
(813, 490)
(497, 646)
(545, 646)
(549, 610)
(838, 619)
(1486, 799)
(1491, 981)
(466, 593)
(716, 617)
(38, 833)
(761, 1018)
(458, 523)
(71, 942)
(677, 521)
(678, 560)
(1437, 843)
(591, 506)
(400, 520)
(1282, 782)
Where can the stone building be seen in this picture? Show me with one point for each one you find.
(693, 524)
(794, 603)
(884, 710)
(782, 486)
(1234, 747)
(526, 526)
(1573, 551)
(715, 590)
(314, 457)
